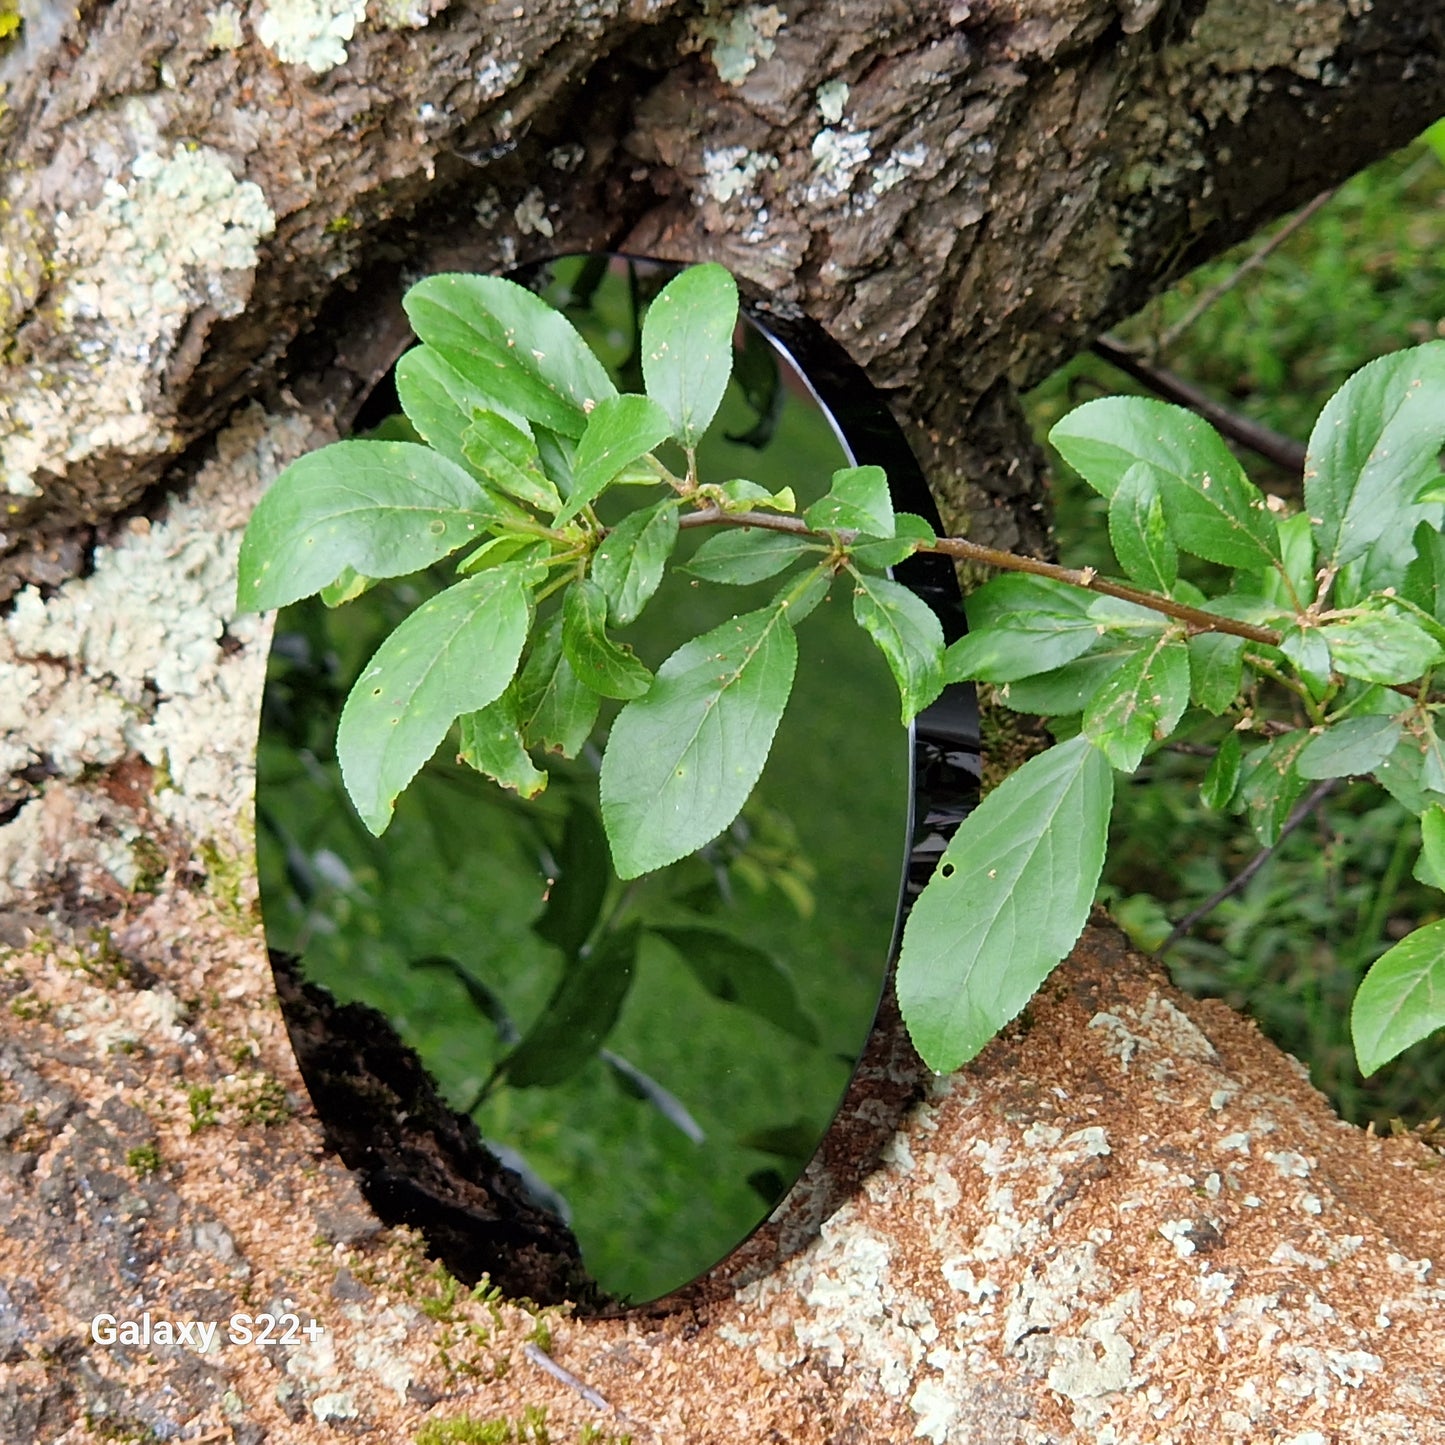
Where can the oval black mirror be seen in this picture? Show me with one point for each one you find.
(654, 1061)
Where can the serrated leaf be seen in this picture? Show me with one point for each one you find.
(1010, 897)
(1012, 592)
(576, 895)
(1401, 999)
(506, 457)
(491, 742)
(1019, 645)
(512, 346)
(1140, 704)
(1138, 532)
(1216, 669)
(579, 1015)
(1214, 511)
(629, 563)
(1379, 646)
(908, 634)
(1432, 765)
(619, 431)
(742, 555)
(1272, 786)
(738, 973)
(557, 710)
(453, 655)
(1297, 553)
(438, 400)
(1349, 748)
(1425, 577)
(681, 761)
(1401, 776)
(799, 596)
(909, 534)
(1376, 444)
(858, 500)
(687, 348)
(1066, 690)
(1430, 870)
(1221, 778)
(602, 664)
(384, 509)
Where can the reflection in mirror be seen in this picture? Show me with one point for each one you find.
(657, 1060)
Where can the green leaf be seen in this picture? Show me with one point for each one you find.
(738, 973)
(453, 655)
(1425, 577)
(509, 547)
(1221, 778)
(1066, 690)
(1430, 870)
(619, 431)
(579, 1015)
(687, 348)
(1138, 532)
(507, 457)
(1349, 748)
(491, 742)
(438, 400)
(1375, 445)
(1309, 650)
(628, 565)
(512, 346)
(1272, 785)
(681, 761)
(597, 661)
(857, 501)
(741, 495)
(907, 633)
(1214, 511)
(1380, 646)
(1010, 897)
(742, 555)
(1012, 592)
(1216, 669)
(1402, 998)
(910, 533)
(349, 585)
(1019, 645)
(798, 596)
(1297, 552)
(1402, 776)
(557, 710)
(1140, 704)
(382, 508)
(576, 895)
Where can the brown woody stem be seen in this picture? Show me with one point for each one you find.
(1194, 618)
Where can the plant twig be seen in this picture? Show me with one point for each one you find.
(1195, 618)
(1273, 446)
(1302, 811)
(544, 1361)
(1253, 261)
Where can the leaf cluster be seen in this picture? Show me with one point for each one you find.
(1314, 660)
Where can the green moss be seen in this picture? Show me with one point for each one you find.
(202, 1105)
(531, 1429)
(150, 865)
(225, 877)
(145, 1160)
(264, 1102)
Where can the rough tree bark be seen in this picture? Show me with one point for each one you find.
(1132, 1221)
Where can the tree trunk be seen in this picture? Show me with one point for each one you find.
(1130, 1215)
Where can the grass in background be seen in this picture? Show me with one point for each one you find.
(1364, 276)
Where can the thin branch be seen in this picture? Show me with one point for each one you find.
(544, 1361)
(1195, 618)
(1283, 451)
(1236, 884)
(1253, 261)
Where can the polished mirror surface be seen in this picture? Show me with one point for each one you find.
(657, 1059)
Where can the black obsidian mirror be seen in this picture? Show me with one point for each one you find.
(654, 1061)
